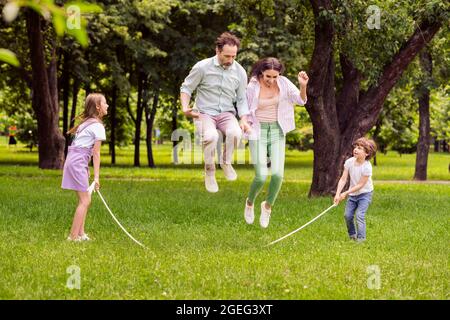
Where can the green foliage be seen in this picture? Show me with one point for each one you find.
(9, 57)
(440, 114)
(164, 118)
(301, 138)
(371, 48)
(27, 130)
(125, 128)
(66, 19)
(399, 131)
(282, 29)
(26, 127)
(5, 122)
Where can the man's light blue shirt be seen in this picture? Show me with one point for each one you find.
(217, 88)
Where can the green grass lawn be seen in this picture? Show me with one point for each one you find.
(199, 246)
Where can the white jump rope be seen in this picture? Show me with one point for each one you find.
(303, 226)
(92, 189)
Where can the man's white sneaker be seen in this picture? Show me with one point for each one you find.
(229, 172)
(211, 183)
(249, 213)
(265, 215)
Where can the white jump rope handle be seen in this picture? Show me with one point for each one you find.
(91, 187)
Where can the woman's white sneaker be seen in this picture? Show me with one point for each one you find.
(265, 215)
(249, 213)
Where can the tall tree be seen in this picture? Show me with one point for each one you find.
(341, 117)
(423, 145)
(45, 97)
(150, 119)
(113, 121)
(142, 82)
(43, 46)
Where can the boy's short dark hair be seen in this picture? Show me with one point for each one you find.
(229, 39)
(368, 145)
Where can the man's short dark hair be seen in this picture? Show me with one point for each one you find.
(229, 39)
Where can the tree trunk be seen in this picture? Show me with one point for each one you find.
(130, 113)
(65, 84)
(337, 123)
(65, 92)
(73, 111)
(375, 136)
(423, 145)
(174, 127)
(112, 117)
(150, 119)
(45, 97)
(321, 107)
(139, 111)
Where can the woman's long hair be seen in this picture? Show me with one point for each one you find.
(266, 64)
(90, 110)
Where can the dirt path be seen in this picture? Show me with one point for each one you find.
(414, 181)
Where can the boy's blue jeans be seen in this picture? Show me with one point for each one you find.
(357, 204)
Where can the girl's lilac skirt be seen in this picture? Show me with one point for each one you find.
(76, 169)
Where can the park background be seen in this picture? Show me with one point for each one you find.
(377, 69)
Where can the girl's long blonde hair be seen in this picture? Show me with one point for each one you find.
(90, 110)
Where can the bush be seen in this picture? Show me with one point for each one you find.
(27, 130)
(300, 139)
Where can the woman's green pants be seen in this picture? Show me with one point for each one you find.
(271, 143)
